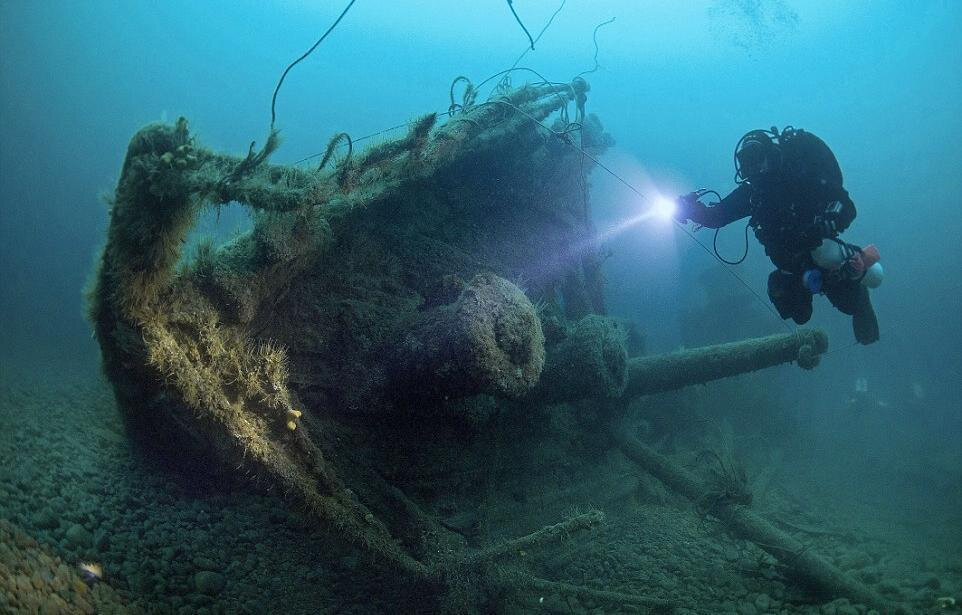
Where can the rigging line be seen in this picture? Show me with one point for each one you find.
(518, 19)
(530, 70)
(440, 112)
(538, 38)
(623, 181)
(359, 139)
(842, 349)
(306, 53)
(644, 197)
(594, 37)
(535, 120)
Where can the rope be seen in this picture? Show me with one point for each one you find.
(645, 197)
(364, 138)
(443, 111)
(306, 53)
(619, 178)
(563, 135)
(538, 38)
(842, 349)
(518, 19)
(594, 37)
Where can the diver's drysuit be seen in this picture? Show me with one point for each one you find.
(790, 185)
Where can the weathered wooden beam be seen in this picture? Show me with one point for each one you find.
(668, 372)
(745, 523)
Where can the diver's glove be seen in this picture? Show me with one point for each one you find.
(684, 206)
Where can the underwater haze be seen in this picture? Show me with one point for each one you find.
(856, 465)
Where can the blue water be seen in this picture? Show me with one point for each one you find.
(676, 85)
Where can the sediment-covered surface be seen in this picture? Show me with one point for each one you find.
(73, 489)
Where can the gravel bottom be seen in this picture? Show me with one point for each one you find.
(70, 482)
(72, 490)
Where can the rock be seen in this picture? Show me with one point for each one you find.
(779, 590)
(763, 602)
(554, 603)
(853, 560)
(839, 607)
(102, 541)
(46, 520)
(574, 604)
(78, 537)
(204, 563)
(207, 582)
(871, 575)
(747, 608)
(141, 583)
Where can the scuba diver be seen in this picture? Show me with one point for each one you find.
(790, 189)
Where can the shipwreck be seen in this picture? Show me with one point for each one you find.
(398, 317)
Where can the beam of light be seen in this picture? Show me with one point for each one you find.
(660, 209)
(633, 239)
(664, 208)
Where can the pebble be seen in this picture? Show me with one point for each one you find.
(839, 607)
(207, 582)
(46, 520)
(747, 608)
(42, 582)
(78, 537)
(176, 575)
(205, 563)
(763, 602)
(553, 602)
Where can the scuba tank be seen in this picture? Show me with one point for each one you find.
(848, 261)
(872, 269)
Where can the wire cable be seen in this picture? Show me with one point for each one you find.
(714, 245)
(306, 53)
(538, 38)
(644, 197)
(594, 37)
(518, 19)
